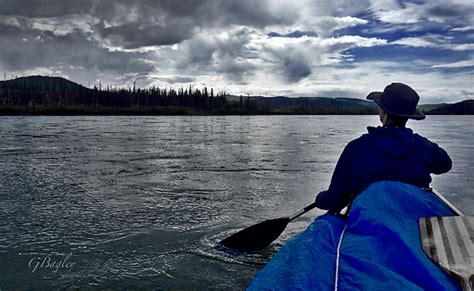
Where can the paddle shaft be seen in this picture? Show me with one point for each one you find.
(302, 211)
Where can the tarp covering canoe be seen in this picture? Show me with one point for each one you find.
(380, 249)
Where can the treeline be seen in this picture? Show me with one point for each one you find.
(38, 92)
(58, 96)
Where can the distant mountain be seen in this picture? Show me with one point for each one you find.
(464, 107)
(320, 105)
(307, 105)
(43, 84)
(428, 107)
(327, 105)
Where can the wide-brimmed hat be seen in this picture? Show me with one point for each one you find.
(398, 99)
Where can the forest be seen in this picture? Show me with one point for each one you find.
(54, 94)
(40, 95)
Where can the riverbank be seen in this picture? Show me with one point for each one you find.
(183, 111)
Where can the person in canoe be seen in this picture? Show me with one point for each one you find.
(391, 152)
(380, 177)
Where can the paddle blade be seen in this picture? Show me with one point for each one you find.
(256, 237)
(448, 242)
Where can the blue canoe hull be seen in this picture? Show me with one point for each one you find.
(380, 249)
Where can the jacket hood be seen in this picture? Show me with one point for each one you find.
(391, 140)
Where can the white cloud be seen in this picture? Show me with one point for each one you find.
(9, 21)
(330, 23)
(397, 15)
(324, 25)
(460, 64)
(424, 41)
(322, 17)
(59, 26)
(464, 28)
(463, 47)
(421, 15)
(434, 41)
(353, 41)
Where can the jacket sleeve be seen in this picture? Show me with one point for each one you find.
(437, 159)
(338, 194)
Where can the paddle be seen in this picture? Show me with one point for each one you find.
(448, 242)
(260, 235)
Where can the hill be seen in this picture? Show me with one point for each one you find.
(464, 107)
(42, 84)
(33, 91)
(305, 105)
(318, 105)
(428, 107)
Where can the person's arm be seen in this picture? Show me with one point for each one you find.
(438, 160)
(338, 194)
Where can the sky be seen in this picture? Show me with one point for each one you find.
(292, 48)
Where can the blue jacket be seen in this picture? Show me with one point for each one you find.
(386, 153)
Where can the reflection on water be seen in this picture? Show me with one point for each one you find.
(141, 201)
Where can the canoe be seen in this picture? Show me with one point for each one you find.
(378, 247)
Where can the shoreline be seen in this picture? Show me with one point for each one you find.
(157, 111)
(178, 113)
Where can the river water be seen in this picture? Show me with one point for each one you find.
(139, 202)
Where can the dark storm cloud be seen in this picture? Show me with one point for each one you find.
(135, 24)
(128, 36)
(296, 68)
(225, 53)
(450, 10)
(252, 13)
(172, 21)
(143, 23)
(198, 51)
(245, 12)
(48, 8)
(109, 35)
(26, 49)
(237, 71)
